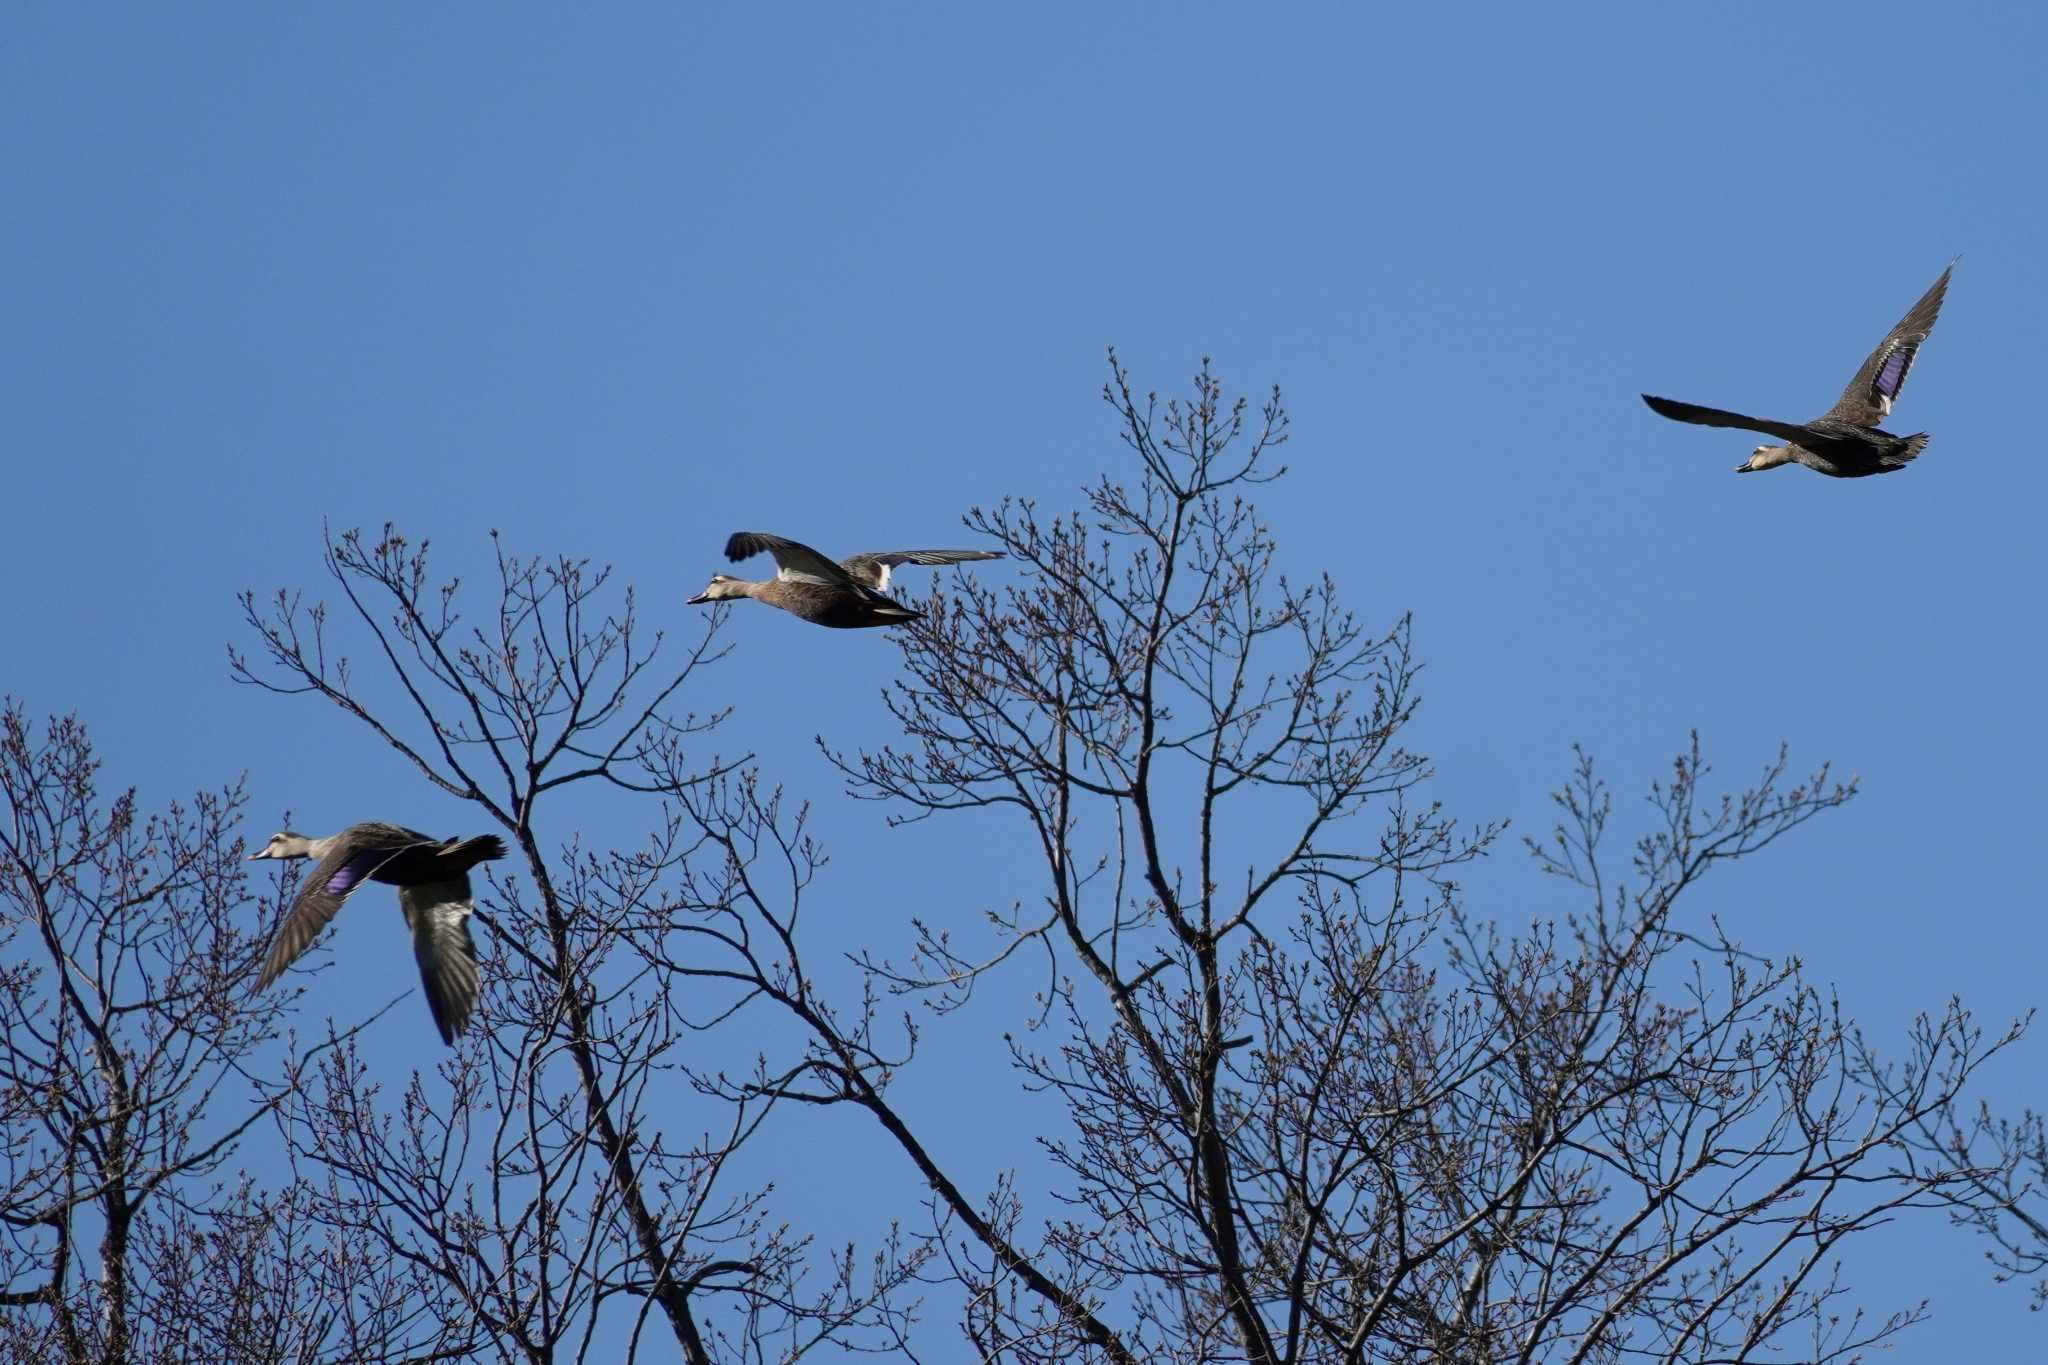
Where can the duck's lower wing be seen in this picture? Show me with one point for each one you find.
(333, 880)
(1717, 417)
(438, 915)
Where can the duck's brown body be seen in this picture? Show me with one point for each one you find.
(830, 606)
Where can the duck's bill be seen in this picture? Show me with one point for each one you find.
(694, 601)
(1743, 468)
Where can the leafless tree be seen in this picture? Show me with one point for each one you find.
(1301, 1101)
(1997, 1169)
(1310, 1106)
(563, 1188)
(125, 1043)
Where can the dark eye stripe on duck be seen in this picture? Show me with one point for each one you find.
(1845, 442)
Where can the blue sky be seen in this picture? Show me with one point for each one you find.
(619, 284)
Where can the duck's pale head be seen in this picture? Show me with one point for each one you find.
(284, 845)
(721, 587)
(1765, 457)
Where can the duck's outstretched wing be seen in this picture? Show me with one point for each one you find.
(1875, 388)
(871, 570)
(793, 559)
(438, 914)
(350, 863)
(1718, 417)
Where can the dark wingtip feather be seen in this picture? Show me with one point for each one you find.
(274, 963)
(743, 545)
(449, 1017)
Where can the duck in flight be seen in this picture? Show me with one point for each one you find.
(1845, 442)
(845, 596)
(432, 877)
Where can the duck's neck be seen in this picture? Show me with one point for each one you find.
(303, 847)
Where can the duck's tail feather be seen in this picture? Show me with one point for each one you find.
(484, 848)
(1908, 448)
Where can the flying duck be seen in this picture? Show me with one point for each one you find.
(845, 596)
(1845, 442)
(432, 877)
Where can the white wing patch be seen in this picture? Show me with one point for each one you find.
(789, 575)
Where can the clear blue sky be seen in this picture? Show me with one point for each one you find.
(619, 285)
